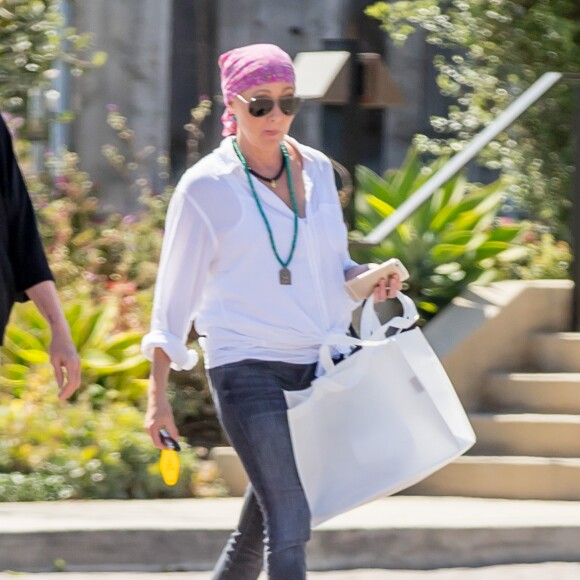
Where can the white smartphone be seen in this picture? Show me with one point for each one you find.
(362, 285)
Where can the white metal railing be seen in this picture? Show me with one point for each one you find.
(459, 161)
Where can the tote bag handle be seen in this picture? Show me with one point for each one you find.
(372, 331)
(371, 327)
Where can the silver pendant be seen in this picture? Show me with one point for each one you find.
(285, 277)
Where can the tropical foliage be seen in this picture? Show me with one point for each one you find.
(452, 240)
(112, 365)
(95, 447)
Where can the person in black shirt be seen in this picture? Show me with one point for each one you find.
(24, 270)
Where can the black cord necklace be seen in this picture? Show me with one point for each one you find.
(272, 180)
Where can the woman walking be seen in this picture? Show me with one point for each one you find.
(255, 250)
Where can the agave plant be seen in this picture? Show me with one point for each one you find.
(112, 364)
(452, 240)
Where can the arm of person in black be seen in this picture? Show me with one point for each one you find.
(24, 270)
(24, 248)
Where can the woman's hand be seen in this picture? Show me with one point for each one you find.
(159, 413)
(386, 289)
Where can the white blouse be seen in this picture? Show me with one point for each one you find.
(218, 268)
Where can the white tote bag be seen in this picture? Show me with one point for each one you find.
(379, 421)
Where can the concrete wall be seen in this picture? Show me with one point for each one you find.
(136, 35)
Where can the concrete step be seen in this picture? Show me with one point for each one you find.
(543, 478)
(526, 434)
(398, 532)
(557, 352)
(533, 392)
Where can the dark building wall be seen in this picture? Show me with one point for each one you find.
(220, 25)
(193, 63)
(163, 57)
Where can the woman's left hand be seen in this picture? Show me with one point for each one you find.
(388, 288)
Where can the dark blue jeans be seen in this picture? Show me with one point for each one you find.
(275, 519)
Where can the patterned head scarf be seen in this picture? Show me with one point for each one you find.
(251, 66)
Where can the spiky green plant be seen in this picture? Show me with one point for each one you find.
(454, 239)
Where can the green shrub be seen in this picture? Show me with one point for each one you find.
(546, 258)
(113, 368)
(96, 447)
(454, 239)
(34, 38)
(50, 450)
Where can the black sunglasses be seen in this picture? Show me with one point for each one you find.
(262, 106)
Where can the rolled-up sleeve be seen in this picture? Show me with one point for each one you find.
(188, 249)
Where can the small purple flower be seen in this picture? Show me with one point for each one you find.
(129, 219)
(112, 108)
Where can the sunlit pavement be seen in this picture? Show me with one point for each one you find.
(394, 537)
(544, 571)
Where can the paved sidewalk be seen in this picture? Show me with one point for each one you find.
(398, 512)
(401, 532)
(544, 571)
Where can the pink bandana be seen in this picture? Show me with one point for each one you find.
(251, 66)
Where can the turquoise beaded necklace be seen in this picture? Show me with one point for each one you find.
(285, 274)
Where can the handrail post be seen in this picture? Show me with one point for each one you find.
(575, 214)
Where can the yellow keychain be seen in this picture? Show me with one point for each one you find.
(169, 462)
